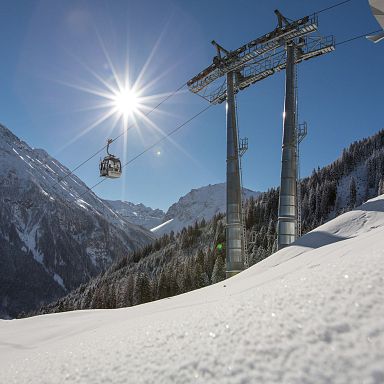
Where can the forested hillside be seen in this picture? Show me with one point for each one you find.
(195, 257)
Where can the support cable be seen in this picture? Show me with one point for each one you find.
(333, 6)
(89, 189)
(359, 37)
(151, 146)
(118, 136)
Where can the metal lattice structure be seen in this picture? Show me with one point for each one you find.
(259, 59)
(243, 147)
(287, 45)
(302, 130)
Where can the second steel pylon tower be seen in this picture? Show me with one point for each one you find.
(234, 233)
(287, 214)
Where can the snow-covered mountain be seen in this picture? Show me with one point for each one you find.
(137, 214)
(53, 237)
(198, 204)
(310, 313)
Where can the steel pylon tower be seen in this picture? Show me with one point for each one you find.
(240, 68)
(287, 213)
(234, 249)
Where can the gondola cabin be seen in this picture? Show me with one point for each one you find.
(110, 166)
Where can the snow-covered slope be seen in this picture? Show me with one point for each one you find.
(53, 237)
(137, 214)
(310, 313)
(198, 204)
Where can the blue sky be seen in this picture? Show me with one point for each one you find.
(49, 49)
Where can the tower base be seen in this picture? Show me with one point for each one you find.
(229, 274)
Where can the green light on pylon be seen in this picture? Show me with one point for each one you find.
(219, 247)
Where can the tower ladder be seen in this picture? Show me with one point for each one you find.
(243, 146)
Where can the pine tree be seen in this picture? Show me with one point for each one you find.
(381, 186)
(218, 273)
(120, 296)
(187, 276)
(146, 293)
(124, 292)
(173, 287)
(162, 287)
(142, 290)
(200, 276)
(352, 193)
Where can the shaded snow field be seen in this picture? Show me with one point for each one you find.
(311, 313)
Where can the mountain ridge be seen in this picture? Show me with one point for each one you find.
(51, 224)
(138, 214)
(199, 204)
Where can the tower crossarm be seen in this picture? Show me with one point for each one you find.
(273, 62)
(237, 59)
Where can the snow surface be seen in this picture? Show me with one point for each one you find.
(310, 313)
(161, 225)
(59, 280)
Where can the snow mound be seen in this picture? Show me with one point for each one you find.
(310, 313)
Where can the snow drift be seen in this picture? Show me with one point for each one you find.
(310, 313)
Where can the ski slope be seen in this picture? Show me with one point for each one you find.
(311, 313)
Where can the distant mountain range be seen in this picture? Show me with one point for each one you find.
(53, 235)
(198, 204)
(137, 214)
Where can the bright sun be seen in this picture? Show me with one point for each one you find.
(126, 102)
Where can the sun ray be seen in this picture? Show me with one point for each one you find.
(168, 138)
(151, 55)
(98, 121)
(124, 102)
(110, 63)
(93, 73)
(94, 91)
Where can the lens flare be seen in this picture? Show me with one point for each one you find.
(126, 102)
(123, 101)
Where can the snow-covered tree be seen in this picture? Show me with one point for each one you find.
(352, 193)
(218, 273)
(381, 186)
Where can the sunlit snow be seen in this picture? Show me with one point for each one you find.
(310, 313)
